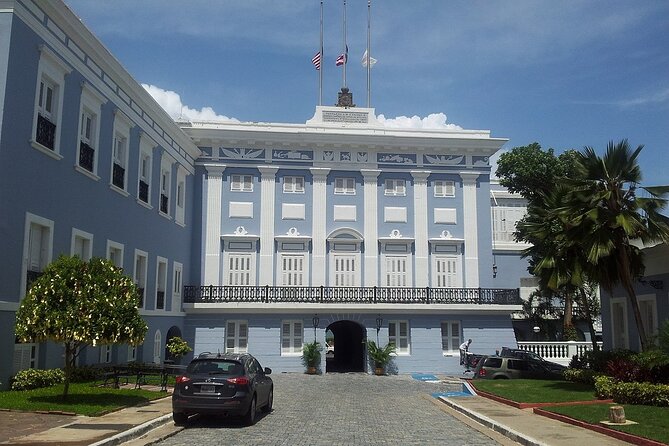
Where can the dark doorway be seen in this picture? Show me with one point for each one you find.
(348, 355)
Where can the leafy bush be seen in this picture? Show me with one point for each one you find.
(178, 347)
(36, 378)
(85, 373)
(632, 392)
(655, 363)
(663, 337)
(586, 376)
(598, 360)
(626, 370)
(311, 354)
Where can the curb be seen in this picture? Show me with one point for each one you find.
(135, 432)
(495, 426)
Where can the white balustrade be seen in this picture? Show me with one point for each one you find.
(559, 352)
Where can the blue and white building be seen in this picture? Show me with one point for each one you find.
(245, 236)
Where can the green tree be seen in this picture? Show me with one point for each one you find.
(80, 303)
(605, 215)
(177, 347)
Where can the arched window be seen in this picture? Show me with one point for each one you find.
(157, 347)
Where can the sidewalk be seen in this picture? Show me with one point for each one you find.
(111, 429)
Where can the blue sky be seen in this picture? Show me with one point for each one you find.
(564, 74)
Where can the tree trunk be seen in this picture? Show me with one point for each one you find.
(588, 316)
(69, 358)
(626, 279)
(568, 323)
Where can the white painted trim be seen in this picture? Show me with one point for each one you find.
(211, 225)
(141, 284)
(370, 230)
(470, 222)
(621, 301)
(318, 222)
(421, 245)
(268, 199)
(118, 246)
(32, 218)
(177, 290)
(160, 261)
(78, 233)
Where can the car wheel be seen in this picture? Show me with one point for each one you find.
(270, 401)
(180, 418)
(250, 417)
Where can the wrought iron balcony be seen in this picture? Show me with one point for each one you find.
(160, 300)
(143, 191)
(46, 132)
(86, 156)
(351, 295)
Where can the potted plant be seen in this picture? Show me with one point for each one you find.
(177, 347)
(381, 356)
(311, 356)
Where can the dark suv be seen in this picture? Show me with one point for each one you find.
(497, 367)
(531, 356)
(223, 384)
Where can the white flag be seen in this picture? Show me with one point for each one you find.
(366, 58)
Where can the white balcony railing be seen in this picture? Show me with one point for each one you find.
(559, 352)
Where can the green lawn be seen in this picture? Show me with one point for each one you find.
(652, 420)
(83, 399)
(537, 391)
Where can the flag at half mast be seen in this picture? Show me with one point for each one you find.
(343, 58)
(366, 59)
(316, 60)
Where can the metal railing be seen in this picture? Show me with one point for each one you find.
(118, 176)
(86, 156)
(46, 132)
(558, 351)
(350, 295)
(143, 191)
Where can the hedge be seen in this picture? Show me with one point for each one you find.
(632, 392)
(36, 378)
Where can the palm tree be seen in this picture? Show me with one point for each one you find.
(605, 215)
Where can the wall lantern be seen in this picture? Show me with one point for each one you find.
(379, 323)
(315, 321)
(494, 270)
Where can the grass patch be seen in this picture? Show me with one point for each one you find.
(83, 399)
(652, 420)
(537, 391)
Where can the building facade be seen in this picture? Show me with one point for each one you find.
(256, 237)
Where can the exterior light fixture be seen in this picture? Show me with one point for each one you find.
(315, 321)
(494, 270)
(379, 323)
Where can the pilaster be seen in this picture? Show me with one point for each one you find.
(422, 271)
(267, 204)
(470, 222)
(319, 225)
(371, 227)
(213, 194)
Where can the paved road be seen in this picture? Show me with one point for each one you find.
(341, 409)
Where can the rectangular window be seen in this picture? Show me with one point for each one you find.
(396, 271)
(39, 239)
(161, 283)
(293, 185)
(292, 337)
(345, 266)
(450, 337)
(82, 245)
(105, 354)
(177, 284)
(396, 188)
(115, 253)
(25, 357)
(445, 272)
(444, 188)
(132, 353)
(241, 183)
(648, 309)
(236, 337)
(181, 196)
(165, 191)
(344, 186)
(398, 334)
(292, 270)
(504, 221)
(144, 177)
(119, 161)
(141, 264)
(239, 269)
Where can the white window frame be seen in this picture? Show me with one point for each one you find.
(180, 215)
(161, 282)
(121, 139)
(45, 255)
(132, 353)
(387, 274)
(348, 277)
(25, 356)
(115, 247)
(450, 343)
(157, 347)
(444, 188)
(395, 187)
(288, 277)
(293, 184)
(344, 186)
(396, 338)
(87, 239)
(139, 277)
(294, 338)
(145, 168)
(241, 183)
(236, 336)
(105, 354)
(177, 285)
(504, 219)
(453, 280)
(650, 321)
(165, 184)
(52, 70)
(90, 107)
(234, 272)
(622, 341)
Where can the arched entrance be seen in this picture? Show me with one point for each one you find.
(348, 354)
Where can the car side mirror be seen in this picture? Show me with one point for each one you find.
(268, 371)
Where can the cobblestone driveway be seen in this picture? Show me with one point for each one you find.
(341, 409)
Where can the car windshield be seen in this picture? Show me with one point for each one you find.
(215, 367)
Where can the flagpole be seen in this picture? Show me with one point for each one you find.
(369, 52)
(320, 72)
(344, 49)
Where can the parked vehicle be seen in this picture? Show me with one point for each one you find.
(223, 384)
(497, 367)
(507, 352)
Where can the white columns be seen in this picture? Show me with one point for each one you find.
(267, 189)
(470, 228)
(211, 224)
(371, 231)
(319, 222)
(420, 227)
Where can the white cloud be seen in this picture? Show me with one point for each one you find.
(170, 101)
(433, 121)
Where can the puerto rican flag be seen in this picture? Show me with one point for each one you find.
(343, 58)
